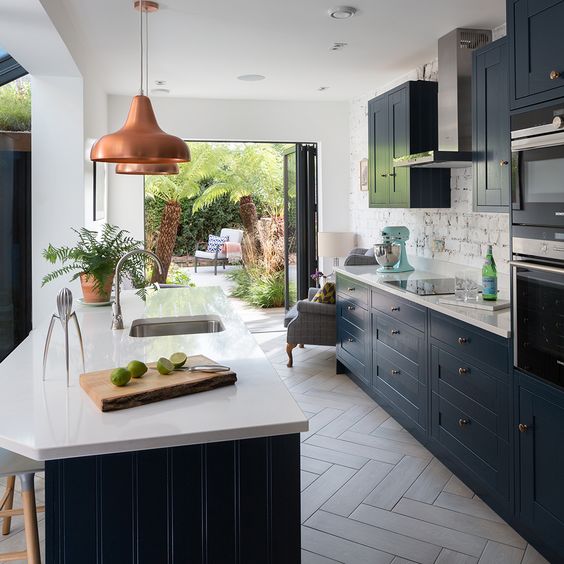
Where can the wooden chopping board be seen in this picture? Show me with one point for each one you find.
(152, 386)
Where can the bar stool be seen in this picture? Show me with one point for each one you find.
(12, 465)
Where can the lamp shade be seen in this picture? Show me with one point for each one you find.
(148, 169)
(140, 140)
(334, 244)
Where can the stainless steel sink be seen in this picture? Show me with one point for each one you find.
(188, 325)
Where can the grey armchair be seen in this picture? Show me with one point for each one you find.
(310, 323)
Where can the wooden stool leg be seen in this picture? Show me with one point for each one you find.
(289, 348)
(8, 503)
(30, 519)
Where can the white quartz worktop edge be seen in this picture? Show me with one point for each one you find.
(496, 322)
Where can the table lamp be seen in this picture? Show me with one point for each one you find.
(334, 244)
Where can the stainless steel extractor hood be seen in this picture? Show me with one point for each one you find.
(454, 100)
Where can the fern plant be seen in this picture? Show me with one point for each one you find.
(96, 256)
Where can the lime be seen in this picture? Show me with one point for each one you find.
(164, 366)
(178, 359)
(120, 376)
(137, 368)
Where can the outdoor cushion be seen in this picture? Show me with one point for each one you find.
(234, 235)
(325, 295)
(215, 243)
(211, 256)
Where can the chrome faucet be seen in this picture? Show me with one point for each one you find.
(117, 319)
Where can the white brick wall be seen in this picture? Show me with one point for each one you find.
(465, 233)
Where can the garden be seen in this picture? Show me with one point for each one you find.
(226, 185)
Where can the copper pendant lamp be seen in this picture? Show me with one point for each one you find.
(148, 169)
(141, 140)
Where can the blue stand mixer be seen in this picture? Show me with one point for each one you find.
(391, 254)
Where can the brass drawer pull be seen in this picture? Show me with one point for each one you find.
(554, 75)
(463, 371)
(523, 428)
(395, 308)
(351, 308)
(395, 331)
(503, 163)
(463, 422)
(351, 289)
(394, 372)
(463, 340)
(350, 340)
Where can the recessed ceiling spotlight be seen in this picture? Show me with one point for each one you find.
(342, 13)
(251, 77)
(338, 45)
(323, 88)
(160, 91)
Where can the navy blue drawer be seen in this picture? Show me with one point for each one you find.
(352, 290)
(480, 450)
(403, 381)
(398, 308)
(352, 312)
(484, 347)
(483, 397)
(351, 349)
(397, 335)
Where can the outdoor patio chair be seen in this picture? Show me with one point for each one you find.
(235, 236)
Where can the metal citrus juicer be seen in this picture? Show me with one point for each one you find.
(391, 253)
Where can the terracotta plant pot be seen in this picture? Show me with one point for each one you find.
(90, 292)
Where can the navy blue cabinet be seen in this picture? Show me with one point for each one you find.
(536, 50)
(490, 128)
(540, 455)
(400, 122)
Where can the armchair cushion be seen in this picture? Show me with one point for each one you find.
(209, 256)
(325, 295)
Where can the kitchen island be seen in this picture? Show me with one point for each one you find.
(207, 477)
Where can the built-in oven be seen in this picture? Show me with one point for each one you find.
(538, 302)
(537, 167)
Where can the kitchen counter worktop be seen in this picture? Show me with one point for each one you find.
(497, 322)
(47, 420)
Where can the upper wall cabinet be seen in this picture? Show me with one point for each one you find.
(400, 122)
(490, 128)
(537, 50)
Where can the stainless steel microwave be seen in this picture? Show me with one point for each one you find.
(537, 149)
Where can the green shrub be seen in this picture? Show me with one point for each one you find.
(15, 106)
(177, 275)
(258, 287)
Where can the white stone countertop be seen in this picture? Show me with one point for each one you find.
(47, 420)
(497, 322)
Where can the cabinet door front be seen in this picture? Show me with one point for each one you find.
(378, 151)
(398, 123)
(539, 56)
(541, 454)
(492, 152)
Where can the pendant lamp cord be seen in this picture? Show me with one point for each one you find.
(141, 43)
(147, 51)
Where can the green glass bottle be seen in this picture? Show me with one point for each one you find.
(489, 277)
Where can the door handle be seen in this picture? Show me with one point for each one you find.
(554, 74)
(523, 428)
(395, 308)
(350, 340)
(383, 175)
(351, 308)
(463, 340)
(463, 422)
(395, 332)
(503, 163)
(351, 289)
(539, 267)
(392, 174)
(395, 372)
(463, 371)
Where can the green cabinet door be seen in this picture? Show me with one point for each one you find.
(398, 142)
(378, 152)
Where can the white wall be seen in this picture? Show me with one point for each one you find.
(240, 120)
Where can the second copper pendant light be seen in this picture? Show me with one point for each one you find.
(141, 146)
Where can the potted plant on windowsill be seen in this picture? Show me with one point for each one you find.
(94, 258)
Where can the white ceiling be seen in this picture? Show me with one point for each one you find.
(200, 46)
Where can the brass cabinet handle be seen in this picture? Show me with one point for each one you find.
(462, 422)
(392, 174)
(522, 427)
(351, 308)
(463, 340)
(350, 340)
(396, 371)
(395, 308)
(383, 175)
(351, 289)
(554, 74)
(462, 371)
(503, 163)
(395, 332)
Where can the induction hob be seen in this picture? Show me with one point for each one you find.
(425, 287)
